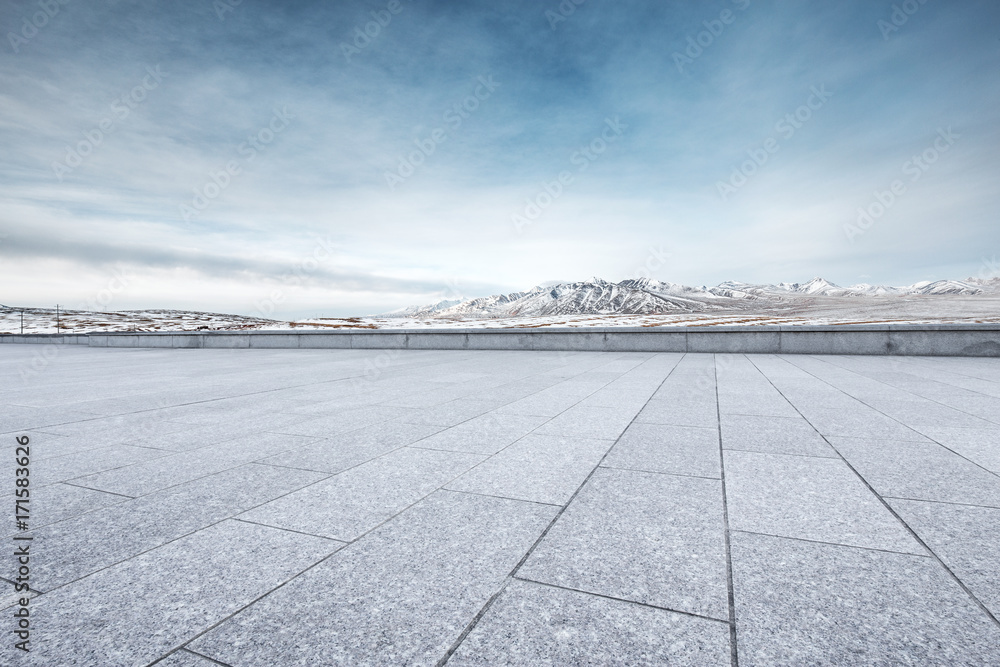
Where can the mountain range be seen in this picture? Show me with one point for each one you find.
(648, 296)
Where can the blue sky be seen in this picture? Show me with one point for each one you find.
(273, 158)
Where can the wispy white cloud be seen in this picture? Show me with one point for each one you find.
(323, 176)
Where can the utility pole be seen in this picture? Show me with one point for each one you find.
(22, 321)
(57, 318)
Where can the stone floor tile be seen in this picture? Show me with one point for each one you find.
(965, 538)
(187, 586)
(588, 422)
(809, 498)
(800, 603)
(920, 471)
(346, 450)
(775, 435)
(160, 473)
(679, 450)
(531, 624)
(486, 434)
(646, 537)
(353, 502)
(90, 542)
(401, 595)
(539, 468)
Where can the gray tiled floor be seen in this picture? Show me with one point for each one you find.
(306, 507)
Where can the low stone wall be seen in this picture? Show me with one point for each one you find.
(968, 340)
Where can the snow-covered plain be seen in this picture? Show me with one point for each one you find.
(629, 303)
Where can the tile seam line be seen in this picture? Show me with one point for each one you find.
(343, 543)
(141, 553)
(944, 502)
(822, 359)
(659, 472)
(489, 603)
(441, 487)
(187, 650)
(508, 403)
(231, 517)
(184, 645)
(757, 451)
(887, 416)
(490, 495)
(236, 464)
(964, 375)
(894, 513)
(297, 575)
(182, 405)
(239, 611)
(196, 479)
(328, 474)
(734, 655)
(30, 589)
(905, 358)
(637, 603)
(547, 421)
(69, 482)
(935, 380)
(832, 544)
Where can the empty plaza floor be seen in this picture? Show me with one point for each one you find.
(191, 508)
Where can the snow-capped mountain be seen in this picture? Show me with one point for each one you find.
(645, 296)
(418, 311)
(592, 296)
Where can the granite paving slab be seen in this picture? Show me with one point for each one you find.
(346, 450)
(353, 502)
(774, 435)
(426, 507)
(809, 498)
(531, 624)
(920, 471)
(146, 477)
(90, 542)
(800, 603)
(965, 537)
(680, 412)
(213, 573)
(539, 468)
(401, 595)
(582, 421)
(486, 434)
(646, 537)
(679, 450)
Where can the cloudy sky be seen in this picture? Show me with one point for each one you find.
(351, 157)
